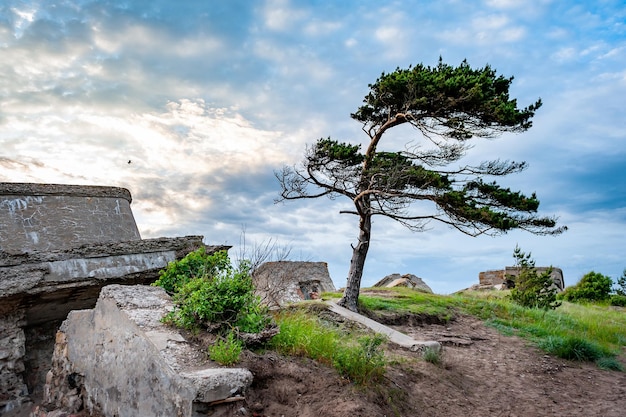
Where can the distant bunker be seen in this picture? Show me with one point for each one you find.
(497, 279)
(283, 282)
(59, 245)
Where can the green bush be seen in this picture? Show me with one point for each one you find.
(196, 264)
(593, 286)
(533, 290)
(209, 293)
(618, 300)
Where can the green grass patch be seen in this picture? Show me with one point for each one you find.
(359, 358)
(573, 348)
(226, 351)
(405, 300)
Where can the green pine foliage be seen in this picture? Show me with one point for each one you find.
(470, 100)
(533, 289)
(620, 288)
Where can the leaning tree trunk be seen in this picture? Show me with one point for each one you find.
(359, 253)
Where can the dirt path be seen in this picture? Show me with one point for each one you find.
(483, 374)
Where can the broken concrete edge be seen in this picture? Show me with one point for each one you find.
(394, 336)
(128, 361)
(179, 244)
(33, 189)
(69, 267)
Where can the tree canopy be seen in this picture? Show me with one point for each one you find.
(448, 106)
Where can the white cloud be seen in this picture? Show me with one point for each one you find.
(280, 16)
(565, 54)
(321, 28)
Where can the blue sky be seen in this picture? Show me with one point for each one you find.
(208, 98)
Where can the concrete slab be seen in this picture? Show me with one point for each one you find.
(130, 365)
(395, 336)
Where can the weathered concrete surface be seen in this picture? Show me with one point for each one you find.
(129, 364)
(12, 351)
(42, 217)
(43, 287)
(59, 245)
(283, 282)
(497, 278)
(38, 272)
(395, 336)
(406, 280)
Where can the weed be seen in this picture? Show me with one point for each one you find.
(433, 356)
(226, 351)
(610, 364)
(362, 363)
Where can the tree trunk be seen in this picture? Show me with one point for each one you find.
(359, 253)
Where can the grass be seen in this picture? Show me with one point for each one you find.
(589, 332)
(226, 351)
(594, 333)
(409, 301)
(433, 356)
(358, 357)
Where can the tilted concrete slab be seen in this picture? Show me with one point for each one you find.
(395, 336)
(130, 364)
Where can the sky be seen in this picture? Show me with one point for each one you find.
(193, 105)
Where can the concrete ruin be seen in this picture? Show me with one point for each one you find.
(59, 245)
(497, 279)
(283, 282)
(96, 365)
(406, 280)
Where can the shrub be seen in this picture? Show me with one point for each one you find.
(196, 264)
(226, 351)
(592, 286)
(532, 289)
(618, 300)
(211, 294)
